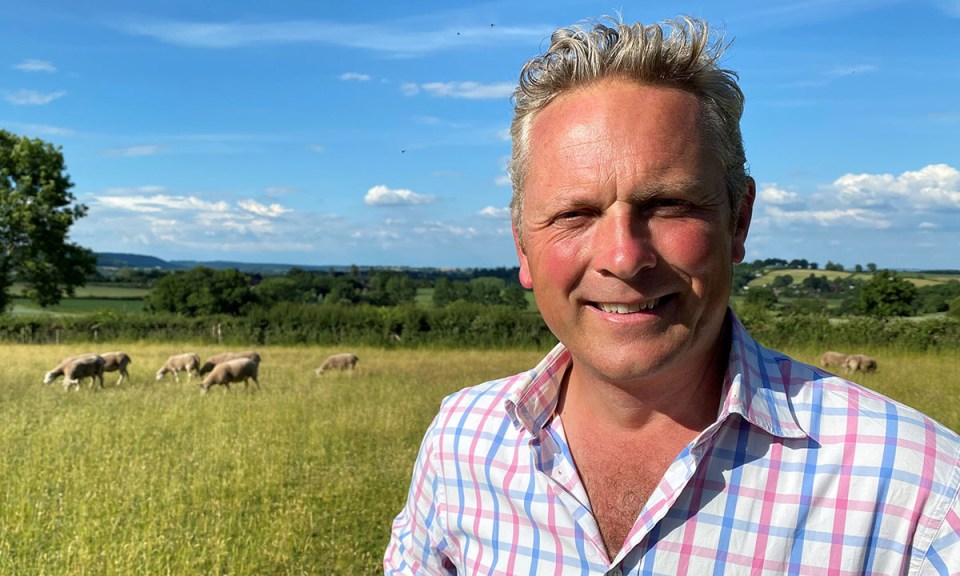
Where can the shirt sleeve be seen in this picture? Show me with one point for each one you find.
(417, 539)
(943, 557)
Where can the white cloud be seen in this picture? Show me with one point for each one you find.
(262, 210)
(395, 38)
(31, 65)
(42, 129)
(494, 212)
(428, 120)
(32, 97)
(161, 202)
(355, 76)
(409, 89)
(934, 187)
(145, 150)
(445, 229)
(770, 194)
(469, 90)
(928, 226)
(317, 148)
(848, 217)
(384, 196)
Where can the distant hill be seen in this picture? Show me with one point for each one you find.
(140, 261)
(120, 260)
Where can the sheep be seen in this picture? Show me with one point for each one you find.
(75, 368)
(833, 359)
(861, 363)
(236, 370)
(117, 362)
(57, 371)
(345, 361)
(90, 366)
(224, 356)
(188, 362)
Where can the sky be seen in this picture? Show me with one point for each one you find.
(376, 134)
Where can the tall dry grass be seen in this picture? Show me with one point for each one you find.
(303, 477)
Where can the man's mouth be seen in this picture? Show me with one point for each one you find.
(614, 308)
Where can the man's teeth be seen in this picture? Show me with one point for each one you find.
(627, 308)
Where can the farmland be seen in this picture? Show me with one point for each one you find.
(304, 476)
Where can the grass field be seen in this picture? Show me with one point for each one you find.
(303, 477)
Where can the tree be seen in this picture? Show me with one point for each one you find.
(201, 291)
(885, 295)
(36, 212)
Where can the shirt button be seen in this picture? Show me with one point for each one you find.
(614, 572)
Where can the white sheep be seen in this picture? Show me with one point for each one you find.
(861, 363)
(188, 362)
(117, 362)
(224, 356)
(80, 367)
(237, 370)
(57, 371)
(833, 359)
(345, 361)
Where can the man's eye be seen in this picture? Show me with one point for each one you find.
(571, 214)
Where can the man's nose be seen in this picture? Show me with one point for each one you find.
(623, 245)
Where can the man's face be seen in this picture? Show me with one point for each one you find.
(628, 239)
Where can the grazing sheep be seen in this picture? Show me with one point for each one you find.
(345, 361)
(117, 362)
(860, 363)
(237, 370)
(80, 367)
(188, 362)
(833, 359)
(224, 356)
(58, 369)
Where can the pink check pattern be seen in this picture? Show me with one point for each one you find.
(802, 473)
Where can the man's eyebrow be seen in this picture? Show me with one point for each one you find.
(652, 190)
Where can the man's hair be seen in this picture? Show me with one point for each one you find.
(680, 54)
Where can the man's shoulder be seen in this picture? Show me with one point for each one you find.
(482, 401)
(837, 406)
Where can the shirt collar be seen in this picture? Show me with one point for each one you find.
(753, 387)
(756, 385)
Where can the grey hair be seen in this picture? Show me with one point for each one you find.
(678, 53)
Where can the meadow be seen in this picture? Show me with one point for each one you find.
(302, 477)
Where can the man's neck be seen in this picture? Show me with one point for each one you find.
(685, 395)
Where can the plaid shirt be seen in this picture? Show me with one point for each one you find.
(802, 473)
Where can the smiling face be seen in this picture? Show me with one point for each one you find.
(628, 237)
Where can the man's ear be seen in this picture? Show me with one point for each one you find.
(526, 280)
(742, 224)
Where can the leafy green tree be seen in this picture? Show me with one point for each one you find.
(486, 290)
(953, 309)
(37, 210)
(515, 296)
(782, 281)
(886, 295)
(201, 291)
(761, 297)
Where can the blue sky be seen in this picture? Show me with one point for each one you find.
(375, 133)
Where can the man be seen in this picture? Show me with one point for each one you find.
(658, 437)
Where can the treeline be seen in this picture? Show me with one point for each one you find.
(287, 323)
(203, 291)
(460, 324)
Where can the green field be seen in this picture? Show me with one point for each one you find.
(919, 280)
(303, 477)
